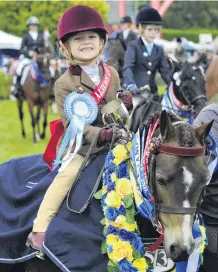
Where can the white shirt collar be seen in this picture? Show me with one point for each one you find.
(93, 72)
(126, 33)
(146, 43)
(33, 34)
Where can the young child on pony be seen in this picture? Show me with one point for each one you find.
(143, 58)
(82, 36)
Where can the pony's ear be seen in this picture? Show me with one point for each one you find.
(203, 130)
(174, 66)
(170, 63)
(166, 126)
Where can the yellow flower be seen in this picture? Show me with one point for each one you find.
(129, 145)
(203, 233)
(123, 187)
(121, 219)
(113, 199)
(130, 227)
(106, 222)
(112, 239)
(202, 246)
(119, 222)
(114, 177)
(120, 154)
(104, 190)
(121, 250)
(141, 264)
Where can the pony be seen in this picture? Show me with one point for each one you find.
(185, 97)
(178, 175)
(212, 79)
(35, 96)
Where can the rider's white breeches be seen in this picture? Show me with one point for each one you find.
(21, 65)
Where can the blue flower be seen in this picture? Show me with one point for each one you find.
(103, 199)
(111, 230)
(111, 213)
(109, 249)
(122, 170)
(126, 266)
(107, 178)
(127, 236)
(110, 186)
(138, 245)
(122, 209)
(109, 160)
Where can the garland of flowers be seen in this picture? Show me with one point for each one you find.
(123, 245)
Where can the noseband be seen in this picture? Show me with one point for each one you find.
(176, 151)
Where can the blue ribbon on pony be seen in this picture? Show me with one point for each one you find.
(169, 105)
(39, 75)
(143, 202)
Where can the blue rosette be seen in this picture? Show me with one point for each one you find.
(81, 104)
(80, 109)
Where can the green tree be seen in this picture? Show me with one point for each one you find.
(13, 14)
(192, 14)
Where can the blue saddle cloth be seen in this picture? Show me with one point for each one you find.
(73, 241)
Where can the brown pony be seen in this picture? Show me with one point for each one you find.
(36, 96)
(212, 79)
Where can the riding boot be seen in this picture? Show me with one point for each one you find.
(36, 239)
(17, 91)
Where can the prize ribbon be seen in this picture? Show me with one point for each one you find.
(80, 109)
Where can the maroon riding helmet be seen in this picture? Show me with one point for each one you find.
(80, 18)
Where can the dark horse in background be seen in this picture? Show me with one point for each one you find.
(173, 189)
(36, 96)
(188, 87)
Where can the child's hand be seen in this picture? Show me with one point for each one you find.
(133, 89)
(106, 135)
(126, 97)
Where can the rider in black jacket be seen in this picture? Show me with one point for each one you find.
(32, 43)
(143, 58)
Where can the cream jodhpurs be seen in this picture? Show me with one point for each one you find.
(56, 194)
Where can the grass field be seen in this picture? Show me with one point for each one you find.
(11, 142)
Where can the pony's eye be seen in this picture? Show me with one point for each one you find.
(161, 181)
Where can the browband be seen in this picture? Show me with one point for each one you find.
(182, 151)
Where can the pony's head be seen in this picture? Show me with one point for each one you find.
(180, 174)
(189, 84)
(43, 61)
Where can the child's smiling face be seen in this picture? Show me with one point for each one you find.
(85, 45)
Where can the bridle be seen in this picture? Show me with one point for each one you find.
(157, 148)
(191, 83)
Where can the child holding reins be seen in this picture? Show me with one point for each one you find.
(82, 37)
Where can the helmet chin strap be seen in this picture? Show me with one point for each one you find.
(72, 60)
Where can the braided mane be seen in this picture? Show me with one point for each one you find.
(183, 132)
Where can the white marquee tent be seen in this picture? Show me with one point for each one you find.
(8, 41)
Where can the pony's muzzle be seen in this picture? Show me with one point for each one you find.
(178, 253)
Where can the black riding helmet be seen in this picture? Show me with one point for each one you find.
(148, 15)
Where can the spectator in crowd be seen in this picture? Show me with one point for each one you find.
(126, 35)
